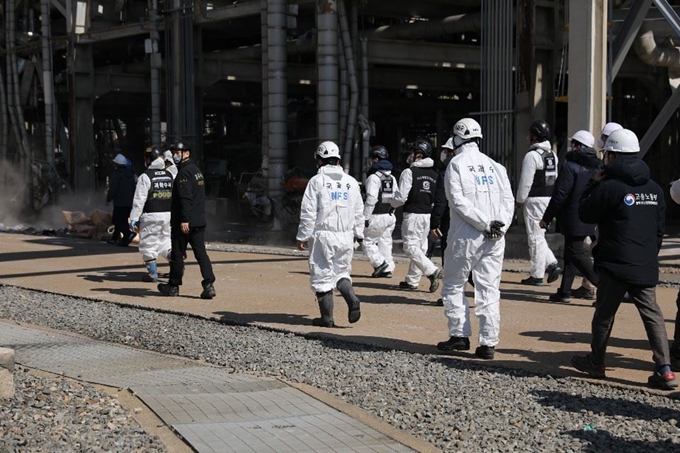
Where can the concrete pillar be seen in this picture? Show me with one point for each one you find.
(80, 126)
(587, 65)
(6, 373)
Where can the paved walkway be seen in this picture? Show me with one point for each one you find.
(213, 410)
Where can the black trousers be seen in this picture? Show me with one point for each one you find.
(120, 217)
(675, 347)
(610, 291)
(576, 257)
(196, 238)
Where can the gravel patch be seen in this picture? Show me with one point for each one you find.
(60, 415)
(455, 405)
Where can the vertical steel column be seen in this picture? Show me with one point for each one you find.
(277, 96)
(13, 101)
(327, 70)
(344, 92)
(497, 81)
(48, 87)
(366, 127)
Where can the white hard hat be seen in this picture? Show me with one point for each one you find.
(326, 150)
(167, 156)
(467, 128)
(609, 128)
(120, 160)
(675, 191)
(622, 141)
(584, 138)
(449, 143)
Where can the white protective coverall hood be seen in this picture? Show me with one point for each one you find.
(331, 216)
(154, 227)
(478, 192)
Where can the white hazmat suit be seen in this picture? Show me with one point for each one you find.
(534, 208)
(331, 216)
(377, 243)
(478, 191)
(154, 227)
(415, 228)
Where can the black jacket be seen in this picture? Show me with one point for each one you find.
(578, 169)
(630, 212)
(188, 196)
(121, 187)
(441, 216)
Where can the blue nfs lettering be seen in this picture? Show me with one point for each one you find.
(337, 195)
(484, 180)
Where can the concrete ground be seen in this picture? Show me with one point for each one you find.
(269, 286)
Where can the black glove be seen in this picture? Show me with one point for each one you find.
(359, 240)
(366, 223)
(494, 230)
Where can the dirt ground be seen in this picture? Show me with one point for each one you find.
(272, 289)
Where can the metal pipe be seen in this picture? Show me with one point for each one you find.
(354, 86)
(277, 95)
(4, 134)
(48, 88)
(427, 29)
(13, 101)
(366, 128)
(155, 65)
(652, 54)
(265, 88)
(327, 70)
(344, 91)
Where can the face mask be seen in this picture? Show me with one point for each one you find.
(409, 159)
(177, 158)
(600, 142)
(443, 156)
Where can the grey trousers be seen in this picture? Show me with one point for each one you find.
(610, 291)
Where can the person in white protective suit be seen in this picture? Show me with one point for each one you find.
(536, 183)
(417, 186)
(380, 219)
(482, 206)
(331, 216)
(151, 212)
(169, 163)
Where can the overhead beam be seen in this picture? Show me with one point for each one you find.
(659, 123)
(627, 33)
(407, 53)
(231, 12)
(60, 7)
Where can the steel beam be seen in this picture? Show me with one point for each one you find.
(405, 53)
(668, 110)
(230, 12)
(627, 33)
(669, 14)
(60, 7)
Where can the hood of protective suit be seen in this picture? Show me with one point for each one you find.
(630, 170)
(383, 165)
(541, 146)
(157, 164)
(466, 147)
(332, 171)
(423, 163)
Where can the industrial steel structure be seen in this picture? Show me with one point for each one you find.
(256, 84)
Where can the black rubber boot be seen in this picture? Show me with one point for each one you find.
(326, 308)
(353, 303)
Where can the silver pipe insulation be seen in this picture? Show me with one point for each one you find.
(265, 88)
(650, 53)
(48, 80)
(427, 29)
(366, 127)
(354, 87)
(4, 134)
(327, 71)
(277, 95)
(13, 101)
(344, 91)
(155, 64)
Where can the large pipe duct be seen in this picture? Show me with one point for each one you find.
(327, 70)
(48, 80)
(432, 28)
(652, 54)
(278, 95)
(344, 91)
(155, 66)
(353, 82)
(264, 31)
(13, 97)
(365, 123)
